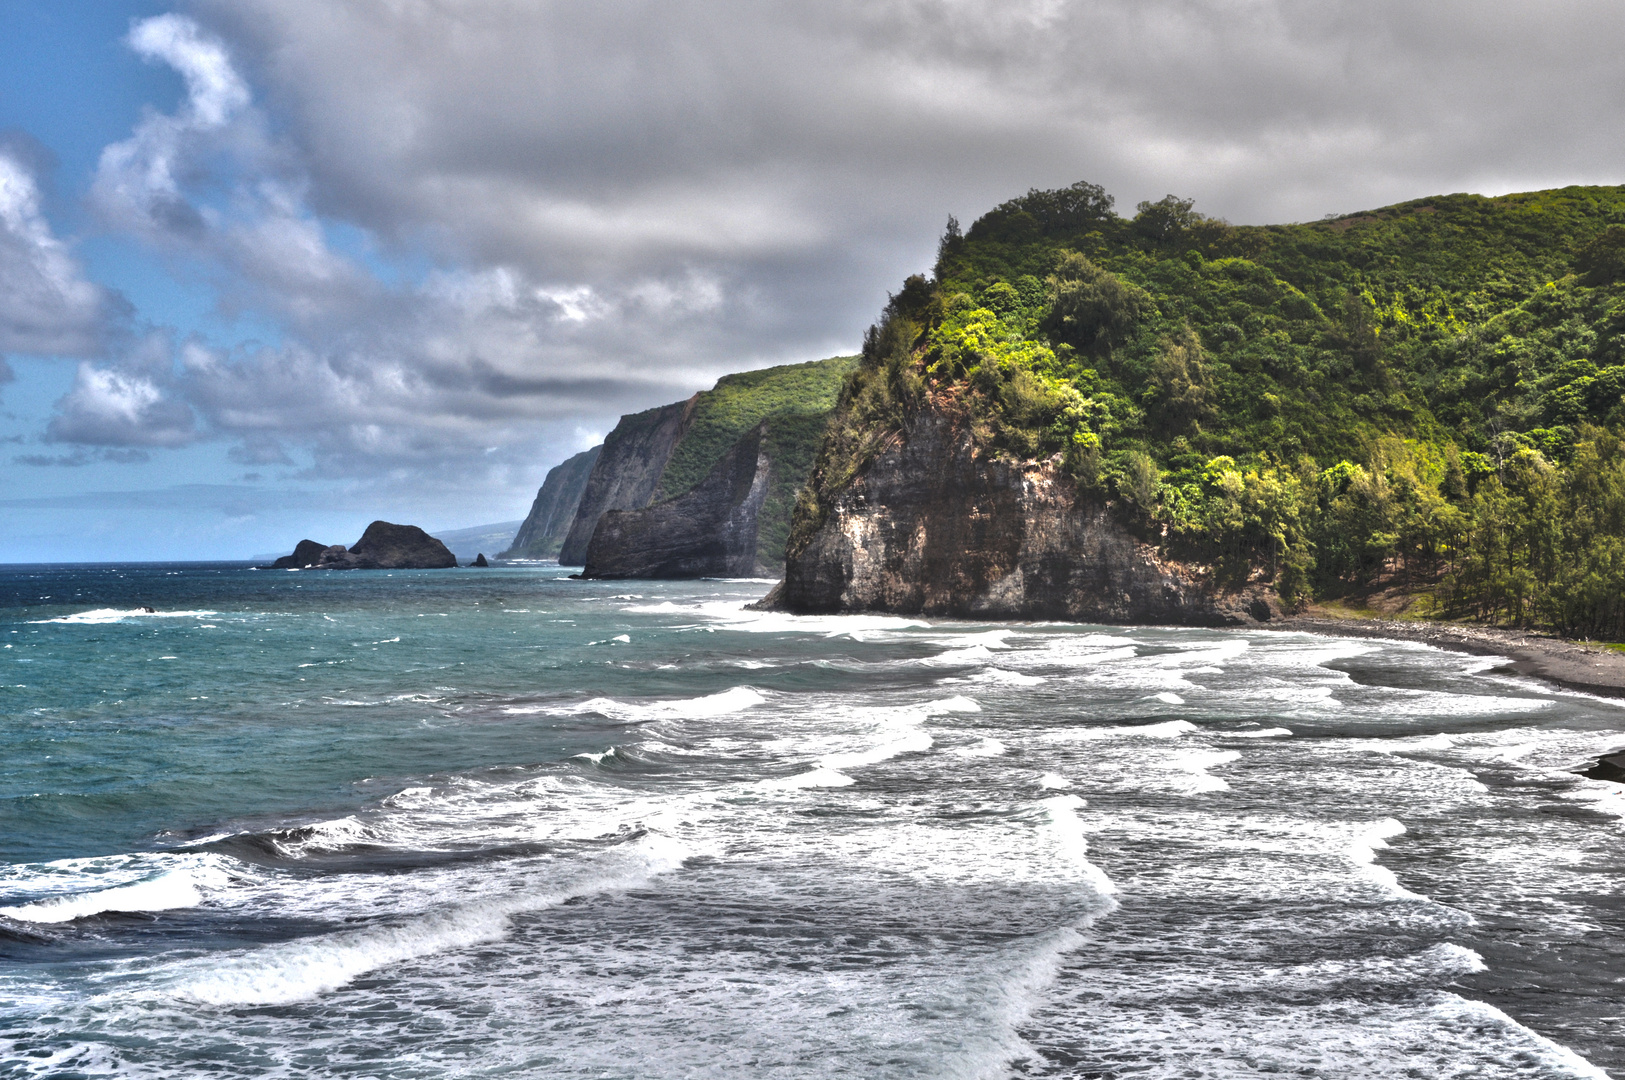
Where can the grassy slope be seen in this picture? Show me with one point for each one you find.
(797, 399)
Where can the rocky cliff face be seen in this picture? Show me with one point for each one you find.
(709, 532)
(627, 472)
(933, 527)
(544, 528)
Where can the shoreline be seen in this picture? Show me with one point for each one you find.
(1560, 661)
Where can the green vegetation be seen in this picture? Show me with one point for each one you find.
(796, 400)
(1427, 396)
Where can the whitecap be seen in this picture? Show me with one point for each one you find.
(1363, 851)
(103, 616)
(300, 970)
(816, 778)
(733, 700)
(1053, 782)
(1168, 729)
(1001, 677)
(182, 887)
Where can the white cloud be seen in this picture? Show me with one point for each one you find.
(46, 305)
(108, 407)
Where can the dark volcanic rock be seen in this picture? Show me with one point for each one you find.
(382, 547)
(401, 547)
(627, 471)
(932, 527)
(544, 528)
(305, 553)
(479, 560)
(708, 532)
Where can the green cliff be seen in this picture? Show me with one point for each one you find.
(657, 456)
(1423, 399)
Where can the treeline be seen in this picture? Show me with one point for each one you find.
(1425, 397)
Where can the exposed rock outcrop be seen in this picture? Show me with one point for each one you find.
(932, 526)
(305, 553)
(544, 528)
(384, 546)
(479, 560)
(627, 472)
(709, 532)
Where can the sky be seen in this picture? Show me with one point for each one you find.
(271, 269)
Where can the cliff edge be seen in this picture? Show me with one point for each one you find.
(709, 532)
(933, 526)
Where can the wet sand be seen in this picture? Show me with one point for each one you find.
(1569, 664)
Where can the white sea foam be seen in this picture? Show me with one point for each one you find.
(1363, 851)
(1169, 698)
(737, 699)
(1001, 677)
(1066, 831)
(910, 742)
(186, 885)
(1256, 733)
(307, 968)
(1168, 729)
(816, 778)
(102, 616)
(1053, 782)
(974, 654)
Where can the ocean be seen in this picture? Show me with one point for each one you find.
(499, 823)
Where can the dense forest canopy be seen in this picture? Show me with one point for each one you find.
(1427, 395)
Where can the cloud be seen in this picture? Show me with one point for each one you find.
(501, 222)
(46, 305)
(115, 408)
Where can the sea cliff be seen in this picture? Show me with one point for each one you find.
(934, 526)
(542, 533)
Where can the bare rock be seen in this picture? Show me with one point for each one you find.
(933, 527)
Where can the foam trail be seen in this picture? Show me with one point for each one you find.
(1053, 782)
(817, 778)
(736, 699)
(1066, 831)
(1551, 1054)
(103, 616)
(182, 887)
(1168, 729)
(299, 970)
(1364, 853)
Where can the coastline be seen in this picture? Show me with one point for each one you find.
(1571, 665)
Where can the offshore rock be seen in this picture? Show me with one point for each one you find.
(401, 547)
(305, 553)
(384, 546)
(932, 527)
(627, 471)
(479, 560)
(544, 528)
(711, 531)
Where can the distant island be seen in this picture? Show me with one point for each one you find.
(383, 546)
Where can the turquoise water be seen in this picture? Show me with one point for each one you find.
(502, 823)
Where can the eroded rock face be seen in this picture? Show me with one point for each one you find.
(544, 528)
(931, 527)
(709, 532)
(627, 471)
